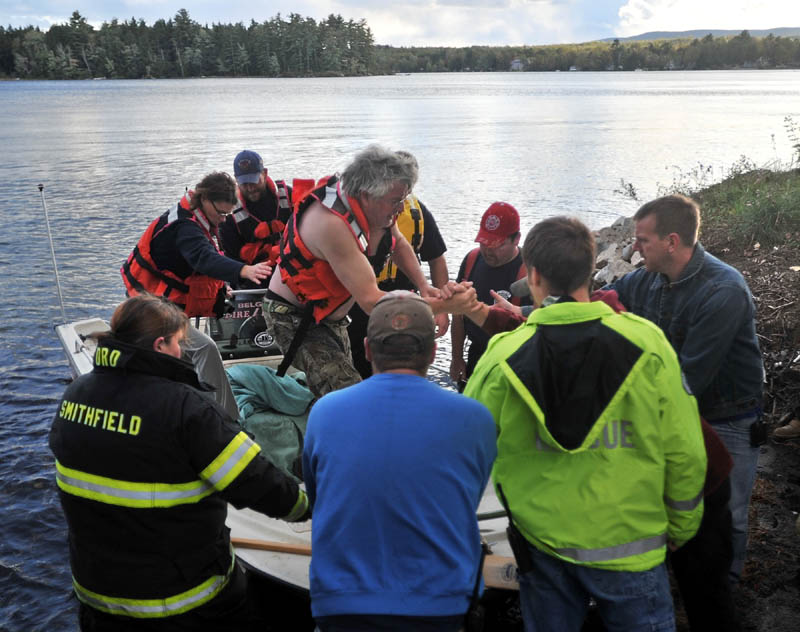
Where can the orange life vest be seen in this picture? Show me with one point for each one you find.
(310, 278)
(262, 237)
(197, 294)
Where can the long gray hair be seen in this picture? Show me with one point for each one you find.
(375, 169)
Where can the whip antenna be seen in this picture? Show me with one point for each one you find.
(53, 253)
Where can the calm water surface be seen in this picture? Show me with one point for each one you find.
(114, 154)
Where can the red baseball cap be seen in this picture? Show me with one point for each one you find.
(498, 222)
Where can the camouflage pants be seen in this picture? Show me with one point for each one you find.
(324, 354)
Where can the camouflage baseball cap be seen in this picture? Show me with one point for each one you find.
(401, 323)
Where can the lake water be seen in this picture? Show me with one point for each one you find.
(114, 154)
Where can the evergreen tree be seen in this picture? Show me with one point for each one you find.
(299, 46)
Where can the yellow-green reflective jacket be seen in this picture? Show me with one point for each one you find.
(146, 464)
(600, 449)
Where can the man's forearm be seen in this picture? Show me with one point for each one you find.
(479, 315)
(439, 273)
(457, 336)
(406, 260)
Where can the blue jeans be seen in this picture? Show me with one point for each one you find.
(736, 437)
(554, 597)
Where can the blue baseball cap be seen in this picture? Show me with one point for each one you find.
(247, 167)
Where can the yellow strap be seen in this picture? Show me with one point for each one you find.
(412, 229)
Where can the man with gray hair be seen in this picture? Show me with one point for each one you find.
(341, 233)
(396, 544)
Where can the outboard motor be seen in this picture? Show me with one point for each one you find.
(242, 332)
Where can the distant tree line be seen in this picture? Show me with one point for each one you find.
(741, 51)
(181, 47)
(298, 46)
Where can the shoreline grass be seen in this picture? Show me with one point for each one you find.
(750, 205)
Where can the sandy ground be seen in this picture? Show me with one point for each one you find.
(768, 596)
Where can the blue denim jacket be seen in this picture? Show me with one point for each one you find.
(708, 315)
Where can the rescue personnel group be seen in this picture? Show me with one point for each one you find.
(620, 427)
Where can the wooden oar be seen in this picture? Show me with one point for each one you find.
(266, 545)
(498, 571)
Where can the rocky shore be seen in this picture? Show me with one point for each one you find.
(615, 255)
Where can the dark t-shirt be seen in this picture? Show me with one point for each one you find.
(433, 246)
(485, 278)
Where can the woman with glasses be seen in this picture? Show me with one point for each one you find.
(178, 257)
(146, 466)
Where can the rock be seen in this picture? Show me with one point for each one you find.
(620, 232)
(627, 252)
(615, 251)
(607, 255)
(613, 271)
(623, 223)
(601, 278)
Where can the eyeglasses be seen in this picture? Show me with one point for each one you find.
(397, 203)
(214, 206)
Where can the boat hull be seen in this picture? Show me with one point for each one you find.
(279, 580)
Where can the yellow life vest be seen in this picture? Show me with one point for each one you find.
(412, 226)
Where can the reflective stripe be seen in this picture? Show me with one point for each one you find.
(330, 197)
(152, 608)
(231, 461)
(615, 552)
(283, 194)
(216, 477)
(350, 217)
(127, 494)
(357, 230)
(240, 215)
(299, 508)
(173, 214)
(201, 219)
(684, 505)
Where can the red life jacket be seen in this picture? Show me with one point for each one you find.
(310, 278)
(262, 237)
(472, 257)
(197, 294)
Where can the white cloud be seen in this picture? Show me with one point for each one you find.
(42, 21)
(465, 22)
(399, 23)
(640, 16)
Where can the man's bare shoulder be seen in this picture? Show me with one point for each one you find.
(322, 231)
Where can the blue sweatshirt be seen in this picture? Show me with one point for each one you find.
(396, 467)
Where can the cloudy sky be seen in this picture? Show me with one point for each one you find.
(443, 22)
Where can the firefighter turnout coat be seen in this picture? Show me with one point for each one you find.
(600, 450)
(146, 464)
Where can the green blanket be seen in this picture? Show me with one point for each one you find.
(273, 409)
